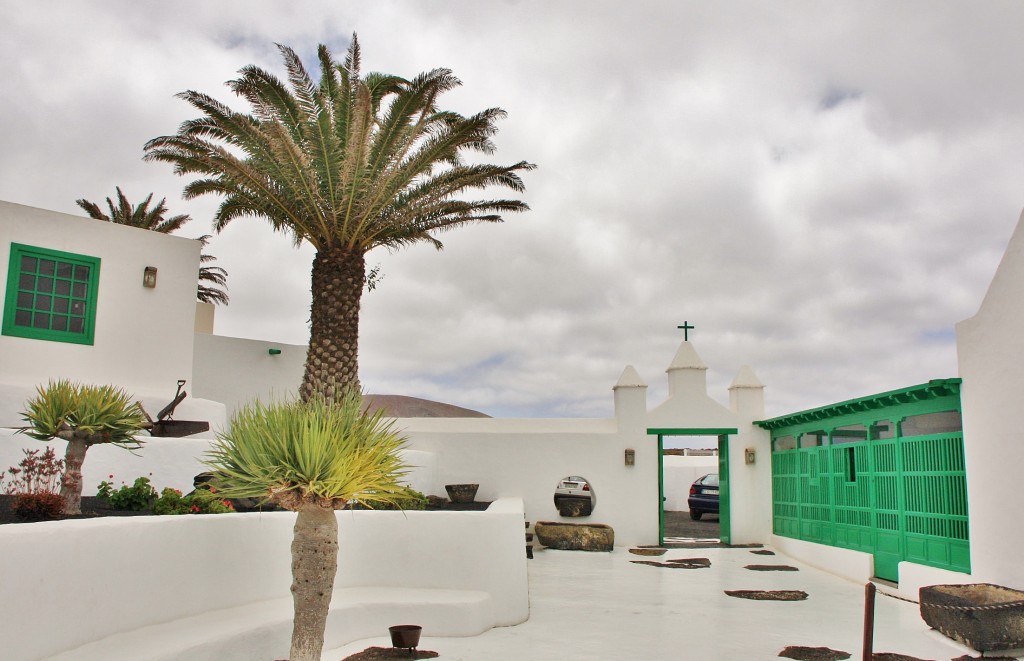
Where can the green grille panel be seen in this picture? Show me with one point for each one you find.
(897, 498)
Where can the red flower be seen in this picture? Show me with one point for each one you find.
(194, 509)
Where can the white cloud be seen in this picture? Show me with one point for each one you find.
(823, 189)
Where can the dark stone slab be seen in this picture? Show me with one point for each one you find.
(771, 568)
(764, 552)
(648, 551)
(813, 654)
(683, 563)
(768, 595)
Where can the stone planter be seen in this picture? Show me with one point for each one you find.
(575, 536)
(405, 636)
(982, 616)
(461, 493)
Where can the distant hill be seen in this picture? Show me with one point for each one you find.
(400, 406)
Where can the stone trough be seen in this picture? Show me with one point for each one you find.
(982, 616)
(575, 536)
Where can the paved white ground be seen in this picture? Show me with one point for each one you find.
(602, 606)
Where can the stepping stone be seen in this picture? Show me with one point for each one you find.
(813, 654)
(771, 568)
(380, 653)
(892, 656)
(765, 552)
(688, 563)
(691, 563)
(647, 550)
(769, 595)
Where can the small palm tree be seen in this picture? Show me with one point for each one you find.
(348, 163)
(215, 276)
(140, 215)
(312, 458)
(213, 280)
(82, 415)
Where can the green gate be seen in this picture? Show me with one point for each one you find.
(883, 474)
(724, 518)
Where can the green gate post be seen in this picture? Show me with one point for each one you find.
(724, 515)
(661, 491)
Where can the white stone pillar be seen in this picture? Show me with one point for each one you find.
(746, 395)
(630, 399)
(687, 374)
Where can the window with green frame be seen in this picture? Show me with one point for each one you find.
(51, 295)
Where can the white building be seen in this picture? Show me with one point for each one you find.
(143, 338)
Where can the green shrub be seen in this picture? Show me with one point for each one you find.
(138, 497)
(201, 501)
(414, 501)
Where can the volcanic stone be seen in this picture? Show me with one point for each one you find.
(575, 536)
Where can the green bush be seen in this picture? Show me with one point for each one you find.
(414, 501)
(201, 501)
(138, 497)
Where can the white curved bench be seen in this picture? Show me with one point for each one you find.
(216, 587)
(263, 630)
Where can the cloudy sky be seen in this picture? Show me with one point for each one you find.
(823, 189)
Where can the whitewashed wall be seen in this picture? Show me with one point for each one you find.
(235, 370)
(527, 459)
(143, 339)
(990, 347)
(128, 573)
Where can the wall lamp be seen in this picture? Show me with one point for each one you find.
(630, 457)
(149, 277)
(274, 352)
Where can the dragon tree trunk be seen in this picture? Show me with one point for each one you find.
(314, 565)
(71, 482)
(332, 362)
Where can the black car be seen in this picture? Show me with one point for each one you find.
(703, 496)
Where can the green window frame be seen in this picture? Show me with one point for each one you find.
(51, 295)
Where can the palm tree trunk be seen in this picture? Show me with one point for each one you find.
(71, 482)
(314, 565)
(332, 363)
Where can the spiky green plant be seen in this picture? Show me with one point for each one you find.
(312, 458)
(347, 163)
(83, 415)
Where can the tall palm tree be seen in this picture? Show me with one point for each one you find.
(349, 163)
(213, 280)
(311, 458)
(140, 215)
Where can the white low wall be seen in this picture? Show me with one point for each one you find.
(680, 473)
(68, 583)
(914, 576)
(853, 565)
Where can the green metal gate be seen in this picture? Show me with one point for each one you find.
(724, 515)
(865, 475)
